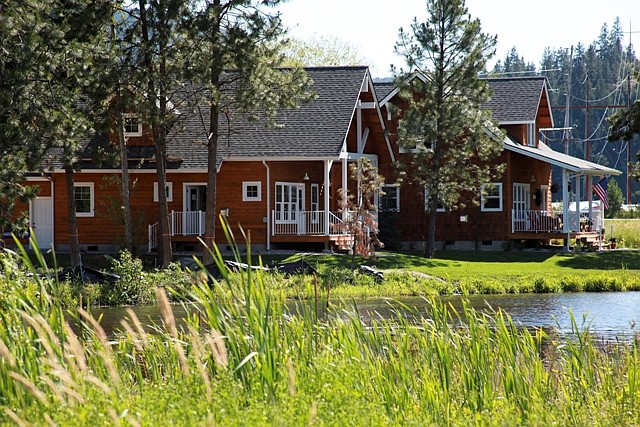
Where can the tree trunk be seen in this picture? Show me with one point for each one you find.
(212, 177)
(126, 200)
(164, 242)
(74, 243)
(216, 69)
(158, 116)
(430, 244)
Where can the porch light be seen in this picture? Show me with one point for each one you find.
(306, 177)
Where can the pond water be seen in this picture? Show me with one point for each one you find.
(611, 315)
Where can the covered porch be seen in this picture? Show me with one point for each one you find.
(577, 215)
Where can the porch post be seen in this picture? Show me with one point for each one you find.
(327, 170)
(565, 206)
(345, 171)
(269, 216)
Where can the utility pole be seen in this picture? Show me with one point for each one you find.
(567, 132)
(629, 143)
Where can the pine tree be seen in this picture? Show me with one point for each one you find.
(448, 52)
(238, 52)
(48, 46)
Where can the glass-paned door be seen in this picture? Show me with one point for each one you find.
(521, 206)
(290, 205)
(194, 207)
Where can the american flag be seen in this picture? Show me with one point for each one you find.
(601, 191)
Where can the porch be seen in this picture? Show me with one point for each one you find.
(545, 224)
(181, 223)
(286, 226)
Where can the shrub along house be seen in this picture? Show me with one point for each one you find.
(518, 206)
(281, 184)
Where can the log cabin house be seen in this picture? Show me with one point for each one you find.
(282, 184)
(517, 207)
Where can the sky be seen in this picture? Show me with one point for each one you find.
(371, 26)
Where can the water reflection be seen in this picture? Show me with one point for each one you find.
(612, 315)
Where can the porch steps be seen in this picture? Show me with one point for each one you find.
(591, 241)
(341, 242)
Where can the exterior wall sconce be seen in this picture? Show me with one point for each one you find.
(306, 177)
(533, 178)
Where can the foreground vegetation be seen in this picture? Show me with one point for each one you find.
(240, 360)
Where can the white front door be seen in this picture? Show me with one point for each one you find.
(290, 205)
(195, 202)
(521, 206)
(42, 221)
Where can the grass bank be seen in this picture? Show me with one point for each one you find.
(241, 361)
(406, 274)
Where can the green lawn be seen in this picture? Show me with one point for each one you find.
(456, 265)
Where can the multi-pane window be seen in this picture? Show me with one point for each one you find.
(288, 202)
(168, 190)
(440, 207)
(83, 195)
(390, 201)
(492, 197)
(315, 203)
(132, 125)
(251, 191)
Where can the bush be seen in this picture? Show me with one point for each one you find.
(131, 288)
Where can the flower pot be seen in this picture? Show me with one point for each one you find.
(613, 245)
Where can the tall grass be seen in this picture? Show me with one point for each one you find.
(626, 232)
(242, 360)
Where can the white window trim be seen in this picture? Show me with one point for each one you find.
(416, 149)
(246, 185)
(139, 131)
(91, 212)
(426, 201)
(397, 187)
(156, 195)
(531, 135)
(315, 204)
(500, 197)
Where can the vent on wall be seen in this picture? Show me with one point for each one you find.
(92, 248)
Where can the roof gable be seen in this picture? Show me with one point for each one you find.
(514, 99)
(315, 129)
(517, 99)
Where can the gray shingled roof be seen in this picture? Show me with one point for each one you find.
(383, 88)
(515, 99)
(316, 129)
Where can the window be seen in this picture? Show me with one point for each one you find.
(315, 203)
(83, 195)
(440, 208)
(492, 197)
(251, 191)
(168, 191)
(417, 147)
(132, 125)
(390, 201)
